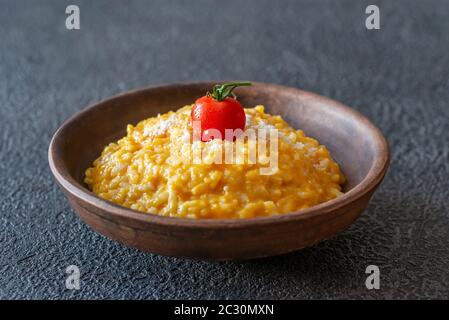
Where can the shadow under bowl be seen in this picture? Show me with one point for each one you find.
(354, 142)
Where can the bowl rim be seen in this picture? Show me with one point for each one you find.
(375, 174)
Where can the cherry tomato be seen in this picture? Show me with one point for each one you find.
(218, 111)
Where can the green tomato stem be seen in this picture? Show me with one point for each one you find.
(222, 91)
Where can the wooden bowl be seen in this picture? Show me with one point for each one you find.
(355, 143)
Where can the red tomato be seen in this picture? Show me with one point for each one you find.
(218, 115)
(218, 111)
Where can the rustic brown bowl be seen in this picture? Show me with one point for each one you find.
(355, 143)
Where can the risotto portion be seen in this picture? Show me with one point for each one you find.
(159, 168)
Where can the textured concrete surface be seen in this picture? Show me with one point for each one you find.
(397, 76)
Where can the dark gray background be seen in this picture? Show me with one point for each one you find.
(397, 76)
